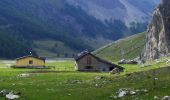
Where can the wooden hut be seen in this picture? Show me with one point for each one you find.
(86, 61)
(30, 61)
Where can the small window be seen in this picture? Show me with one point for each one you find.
(31, 62)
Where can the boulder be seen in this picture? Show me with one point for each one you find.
(123, 61)
(99, 77)
(3, 92)
(24, 75)
(156, 98)
(132, 62)
(11, 96)
(122, 94)
(130, 92)
(115, 71)
(166, 98)
(76, 82)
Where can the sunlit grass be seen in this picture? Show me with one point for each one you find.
(127, 48)
(2, 64)
(67, 65)
(60, 85)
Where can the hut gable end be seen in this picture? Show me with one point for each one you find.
(30, 62)
(89, 62)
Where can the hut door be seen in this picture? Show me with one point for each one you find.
(111, 68)
(88, 60)
(88, 67)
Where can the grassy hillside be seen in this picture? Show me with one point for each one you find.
(52, 48)
(127, 48)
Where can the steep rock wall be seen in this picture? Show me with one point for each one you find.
(158, 35)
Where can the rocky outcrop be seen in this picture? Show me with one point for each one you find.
(158, 35)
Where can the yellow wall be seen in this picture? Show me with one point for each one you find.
(24, 62)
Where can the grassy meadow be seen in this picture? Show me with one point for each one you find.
(66, 65)
(2, 64)
(61, 84)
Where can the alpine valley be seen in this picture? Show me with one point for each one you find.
(61, 28)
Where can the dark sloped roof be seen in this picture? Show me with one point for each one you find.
(41, 58)
(83, 54)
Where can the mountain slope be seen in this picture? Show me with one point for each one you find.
(49, 20)
(11, 48)
(127, 48)
(68, 26)
(127, 11)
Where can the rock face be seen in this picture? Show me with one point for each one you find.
(158, 36)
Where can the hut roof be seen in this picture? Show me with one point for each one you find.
(41, 58)
(83, 54)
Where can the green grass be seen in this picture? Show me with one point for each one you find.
(59, 85)
(68, 65)
(130, 48)
(2, 64)
(130, 68)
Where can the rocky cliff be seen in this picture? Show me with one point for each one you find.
(158, 36)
